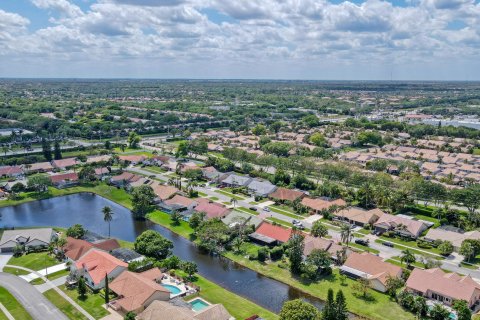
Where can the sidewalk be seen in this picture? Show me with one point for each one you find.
(34, 275)
(56, 282)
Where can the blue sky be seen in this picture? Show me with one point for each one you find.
(264, 39)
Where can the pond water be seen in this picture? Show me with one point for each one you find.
(86, 209)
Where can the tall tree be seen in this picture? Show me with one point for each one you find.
(57, 151)
(408, 257)
(81, 288)
(133, 140)
(329, 310)
(142, 199)
(346, 233)
(47, 150)
(341, 306)
(295, 252)
(153, 244)
(107, 216)
(107, 290)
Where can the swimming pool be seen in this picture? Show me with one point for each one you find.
(198, 304)
(173, 289)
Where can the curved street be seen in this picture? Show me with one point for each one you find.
(31, 299)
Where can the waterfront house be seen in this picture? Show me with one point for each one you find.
(29, 238)
(64, 180)
(269, 234)
(163, 310)
(163, 192)
(314, 243)
(178, 204)
(211, 209)
(124, 179)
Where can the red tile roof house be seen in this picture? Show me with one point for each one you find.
(403, 226)
(136, 291)
(39, 167)
(316, 206)
(359, 216)
(132, 159)
(211, 209)
(124, 179)
(97, 264)
(269, 234)
(163, 192)
(312, 243)
(64, 180)
(444, 287)
(11, 171)
(63, 164)
(368, 266)
(102, 172)
(74, 249)
(286, 195)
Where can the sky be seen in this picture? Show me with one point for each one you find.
(241, 39)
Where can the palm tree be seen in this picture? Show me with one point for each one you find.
(408, 257)
(107, 216)
(346, 233)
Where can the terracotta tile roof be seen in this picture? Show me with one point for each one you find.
(9, 170)
(162, 310)
(135, 289)
(211, 209)
(275, 232)
(180, 200)
(100, 171)
(373, 266)
(99, 263)
(359, 215)
(447, 284)
(63, 177)
(76, 248)
(107, 245)
(64, 163)
(125, 176)
(40, 166)
(286, 194)
(415, 227)
(132, 158)
(164, 192)
(320, 204)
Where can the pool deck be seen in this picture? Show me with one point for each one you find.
(184, 289)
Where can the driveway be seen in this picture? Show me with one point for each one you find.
(4, 257)
(32, 300)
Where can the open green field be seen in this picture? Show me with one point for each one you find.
(34, 261)
(13, 306)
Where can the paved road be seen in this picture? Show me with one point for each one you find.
(32, 300)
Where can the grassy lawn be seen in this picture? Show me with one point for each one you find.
(282, 207)
(51, 276)
(412, 244)
(34, 261)
(397, 261)
(255, 213)
(201, 194)
(13, 306)
(363, 231)
(285, 213)
(380, 306)
(163, 219)
(231, 195)
(15, 271)
(238, 307)
(69, 310)
(364, 248)
(395, 245)
(153, 169)
(3, 316)
(430, 219)
(93, 303)
(214, 198)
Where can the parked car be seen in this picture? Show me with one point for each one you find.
(388, 244)
(253, 208)
(362, 242)
(266, 209)
(294, 222)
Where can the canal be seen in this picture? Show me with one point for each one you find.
(86, 209)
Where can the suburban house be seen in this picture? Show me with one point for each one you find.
(235, 180)
(212, 174)
(403, 226)
(178, 204)
(368, 266)
(124, 179)
(163, 310)
(456, 238)
(286, 195)
(97, 159)
(359, 216)
(143, 181)
(63, 164)
(74, 249)
(39, 167)
(157, 160)
(269, 234)
(236, 217)
(101, 172)
(317, 205)
(64, 180)
(97, 264)
(136, 291)
(211, 209)
(444, 287)
(261, 188)
(163, 192)
(30, 238)
(313, 243)
(132, 159)
(11, 171)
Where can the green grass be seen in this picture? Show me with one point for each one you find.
(238, 307)
(415, 251)
(398, 262)
(3, 316)
(231, 195)
(51, 276)
(247, 210)
(154, 169)
(380, 307)
(163, 219)
(282, 207)
(412, 244)
(430, 219)
(214, 198)
(68, 309)
(363, 231)
(201, 194)
(364, 248)
(34, 261)
(15, 271)
(285, 213)
(93, 303)
(13, 306)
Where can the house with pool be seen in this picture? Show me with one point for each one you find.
(196, 309)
